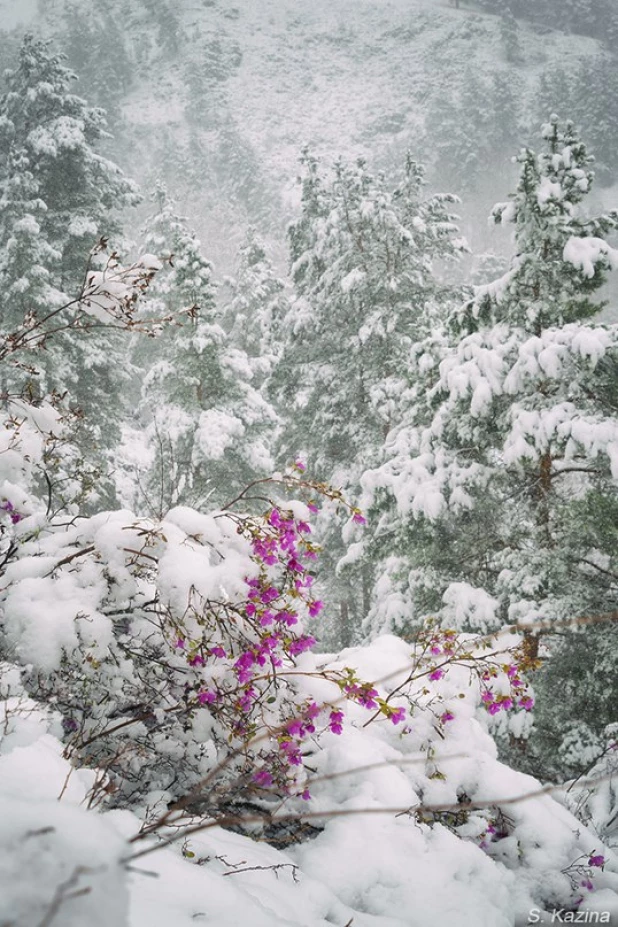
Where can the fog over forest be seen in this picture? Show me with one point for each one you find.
(308, 463)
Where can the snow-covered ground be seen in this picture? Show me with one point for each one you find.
(374, 862)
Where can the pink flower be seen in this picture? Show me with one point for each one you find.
(305, 795)
(359, 518)
(263, 778)
(312, 711)
(398, 715)
(315, 608)
(299, 646)
(312, 508)
(494, 708)
(436, 674)
(335, 721)
(206, 698)
(304, 528)
(196, 660)
(296, 728)
(447, 716)
(180, 644)
(218, 652)
(300, 465)
(597, 860)
(288, 618)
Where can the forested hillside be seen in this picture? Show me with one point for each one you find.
(308, 510)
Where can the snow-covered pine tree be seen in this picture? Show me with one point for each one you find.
(363, 253)
(509, 35)
(469, 124)
(502, 484)
(254, 306)
(589, 91)
(209, 428)
(58, 196)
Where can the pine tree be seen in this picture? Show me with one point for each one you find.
(58, 196)
(362, 256)
(509, 34)
(255, 306)
(208, 426)
(500, 490)
(590, 92)
(469, 124)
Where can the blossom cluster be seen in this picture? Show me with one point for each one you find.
(581, 874)
(245, 676)
(501, 685)
(14, 516)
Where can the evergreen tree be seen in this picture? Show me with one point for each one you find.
(58, 196)
(470, 124)
(362, 256)
(509, 34)
(255, 306)
(209, 428)
(499, 493)
(590, 92)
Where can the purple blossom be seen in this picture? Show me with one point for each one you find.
(436, 674)
(335, 721)
(196, 660)
(597, 860)
(447, 716)
(263, 778)
(398, 715)
(267, 618)
(206, 698)
(300, 645)
(180, 644)
(247, 698)
(218, 652)
(296, 728)
(359, 518)
(315, 608)
(288, 618)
